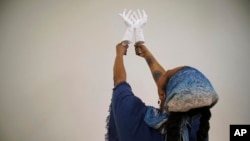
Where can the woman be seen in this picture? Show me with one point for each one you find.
(185, 96)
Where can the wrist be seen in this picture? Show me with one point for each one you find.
(139, 35)
(147, 54)
(130, 28)
(119, 54)
(128, 35)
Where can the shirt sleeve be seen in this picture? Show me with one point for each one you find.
(128, 109)
(125, 101)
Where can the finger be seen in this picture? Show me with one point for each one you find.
(138, 51)
(126, 47)
(123, 43)
(129, 13)
(144, 13)
(139, 44)
(133, 18)
(120, 14)
(139, 12)
(125, 51)
(137, 47)
(124, 11)
(135, 15)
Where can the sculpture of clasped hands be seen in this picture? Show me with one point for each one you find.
(134, 22)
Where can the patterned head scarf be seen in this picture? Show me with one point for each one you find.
(187, 89)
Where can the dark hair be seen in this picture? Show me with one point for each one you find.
(174, 121)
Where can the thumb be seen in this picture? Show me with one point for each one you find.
(121, 15)
(138, 50)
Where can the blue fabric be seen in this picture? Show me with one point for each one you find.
(111, 129)
(126, 118)
(188, 129)
(127, 115)
(154, 117)
(193, 129)
(190, 82)
(193, 90)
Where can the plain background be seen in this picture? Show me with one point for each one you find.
(56, 62)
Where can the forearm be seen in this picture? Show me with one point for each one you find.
(156, 69)
(119, 70)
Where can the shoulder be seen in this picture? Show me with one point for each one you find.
(124, 95)
(173, 71)
(122, 90)
(122, 86)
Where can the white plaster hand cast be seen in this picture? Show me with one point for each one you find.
(140, 19)
(128, 35)
(134, 22)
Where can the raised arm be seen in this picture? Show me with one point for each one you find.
(156, 69)
(119, 72)
(158, 72)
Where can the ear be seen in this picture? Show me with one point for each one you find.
(162, 95)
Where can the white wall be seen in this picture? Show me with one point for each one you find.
(56, 61)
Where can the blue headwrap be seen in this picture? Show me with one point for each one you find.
(187, 89)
